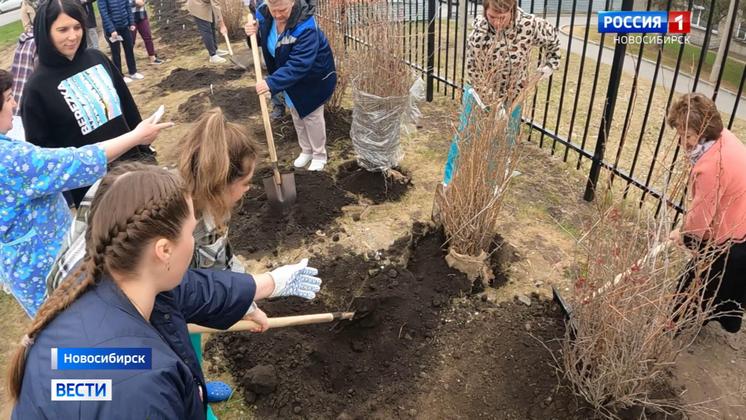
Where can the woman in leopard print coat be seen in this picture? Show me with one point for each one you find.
(498, 53)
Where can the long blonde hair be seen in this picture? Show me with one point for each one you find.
(215, 154)
(135, 204)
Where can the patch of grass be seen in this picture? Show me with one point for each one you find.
(670, 53)
(9, 33)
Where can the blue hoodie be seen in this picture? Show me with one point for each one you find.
(303, 65)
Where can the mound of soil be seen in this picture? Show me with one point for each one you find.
(366, 363)
(173, 24)
(375, 186)
(257, 228)
(237, 104)
(185, 79)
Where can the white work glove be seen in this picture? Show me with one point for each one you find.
(296, 280)
(546, 71)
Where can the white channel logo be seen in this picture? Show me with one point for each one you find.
(81, 390)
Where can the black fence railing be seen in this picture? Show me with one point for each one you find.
(604, 108)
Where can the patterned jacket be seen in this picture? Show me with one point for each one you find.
(510, 50)
(33, 214)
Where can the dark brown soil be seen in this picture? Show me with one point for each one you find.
(185, 79)
(375, 186)
(366, 364)
(256, 228)
(237, 104)
(174, 26)
(431, 349)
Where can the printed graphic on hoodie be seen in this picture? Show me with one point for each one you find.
(91, 96)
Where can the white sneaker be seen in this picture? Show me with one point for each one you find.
(316, 165)
(221, 52)
(216, 59)
(127, 80)
(302, 160)
(136, 76)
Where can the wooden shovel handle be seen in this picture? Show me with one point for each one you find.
(228, 43)
(263, 105)
(279, 322)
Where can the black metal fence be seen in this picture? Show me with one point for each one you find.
(604, 108)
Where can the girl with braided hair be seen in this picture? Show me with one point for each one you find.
(33, 214)
(135, 290)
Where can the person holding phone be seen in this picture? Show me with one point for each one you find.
(33, 214)
(119, 23)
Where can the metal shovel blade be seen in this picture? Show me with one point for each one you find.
(243, 59)
(282, 195)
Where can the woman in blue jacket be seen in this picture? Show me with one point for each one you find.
(300, 63)
(134, 291)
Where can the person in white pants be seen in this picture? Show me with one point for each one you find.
(301, 67)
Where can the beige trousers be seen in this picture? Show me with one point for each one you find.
(311, 132)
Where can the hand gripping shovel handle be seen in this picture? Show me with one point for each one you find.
(279, 322)
(263, 105)
(228, 43)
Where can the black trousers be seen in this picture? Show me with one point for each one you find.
(729, 294)
(129, 50)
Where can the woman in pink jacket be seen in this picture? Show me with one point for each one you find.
(716, 203)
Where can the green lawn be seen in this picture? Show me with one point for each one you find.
(9, 33)
(690, 59)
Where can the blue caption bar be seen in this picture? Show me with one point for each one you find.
(101, 358)
(632, 22)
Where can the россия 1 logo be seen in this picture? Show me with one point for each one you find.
(678, 22)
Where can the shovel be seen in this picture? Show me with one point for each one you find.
(280, 188)
(241, 61)
(567, 308)
(285, 321)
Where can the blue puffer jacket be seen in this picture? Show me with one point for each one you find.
(115, 14)
(103, 317)
(303, 65)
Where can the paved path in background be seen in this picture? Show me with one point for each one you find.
(9, 17)
(725, 100)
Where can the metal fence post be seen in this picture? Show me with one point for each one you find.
(430, 79)
(611, 93)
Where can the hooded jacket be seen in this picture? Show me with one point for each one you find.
(303, 65)
(103, 317)
(115, 15)
(72, 103)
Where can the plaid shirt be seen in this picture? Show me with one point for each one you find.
(23, 65)
(212, 249)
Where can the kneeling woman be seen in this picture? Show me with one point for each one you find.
(715, 217)
(134, 290)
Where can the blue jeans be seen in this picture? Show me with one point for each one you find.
(470, 103)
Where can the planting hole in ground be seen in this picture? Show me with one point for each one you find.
(375, 186)
(255, 227)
